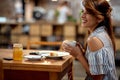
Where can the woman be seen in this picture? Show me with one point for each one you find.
(99, 55)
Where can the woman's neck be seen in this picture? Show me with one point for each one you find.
(91, 29)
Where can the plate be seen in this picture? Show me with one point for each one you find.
(33, 57)
(48, 54)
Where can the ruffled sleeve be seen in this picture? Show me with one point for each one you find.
(99, 61)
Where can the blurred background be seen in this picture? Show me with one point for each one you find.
(22, 21)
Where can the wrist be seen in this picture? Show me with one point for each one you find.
(79, 56)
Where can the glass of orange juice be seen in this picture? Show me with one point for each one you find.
(17, 51)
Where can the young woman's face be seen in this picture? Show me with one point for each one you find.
(88, 21)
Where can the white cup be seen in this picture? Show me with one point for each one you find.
(69, 42)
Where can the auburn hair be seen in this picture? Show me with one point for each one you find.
(101, 7)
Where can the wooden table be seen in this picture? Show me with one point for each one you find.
(47, 69)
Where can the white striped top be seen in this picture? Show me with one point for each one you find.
(102, 61)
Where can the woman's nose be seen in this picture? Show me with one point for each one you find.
(82, 15)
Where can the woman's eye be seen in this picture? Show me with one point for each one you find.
(82, 11)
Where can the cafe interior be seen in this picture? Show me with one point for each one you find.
(35, 25)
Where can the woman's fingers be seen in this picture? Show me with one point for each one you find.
(74, 51)
(67, 48)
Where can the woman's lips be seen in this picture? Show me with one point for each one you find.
(84, 21)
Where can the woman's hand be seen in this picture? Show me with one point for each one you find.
(77, 52)
(73, 50)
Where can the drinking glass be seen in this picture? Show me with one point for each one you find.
(17, 51)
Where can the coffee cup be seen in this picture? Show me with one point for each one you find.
(69, 42)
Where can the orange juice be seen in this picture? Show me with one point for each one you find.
(17, 52)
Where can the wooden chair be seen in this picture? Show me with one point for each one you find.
(43, 43)
(1, 70)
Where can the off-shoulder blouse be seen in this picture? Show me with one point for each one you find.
(102, 61)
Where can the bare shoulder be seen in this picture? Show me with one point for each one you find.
(95, 43)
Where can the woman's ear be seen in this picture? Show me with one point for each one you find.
(100, 18)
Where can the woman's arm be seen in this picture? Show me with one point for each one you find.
(82, 58)
(84, 63)
(78, 52)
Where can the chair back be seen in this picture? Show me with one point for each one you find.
(43, 43)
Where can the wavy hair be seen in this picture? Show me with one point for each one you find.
(101, 7)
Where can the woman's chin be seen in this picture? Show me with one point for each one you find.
(83, 25)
